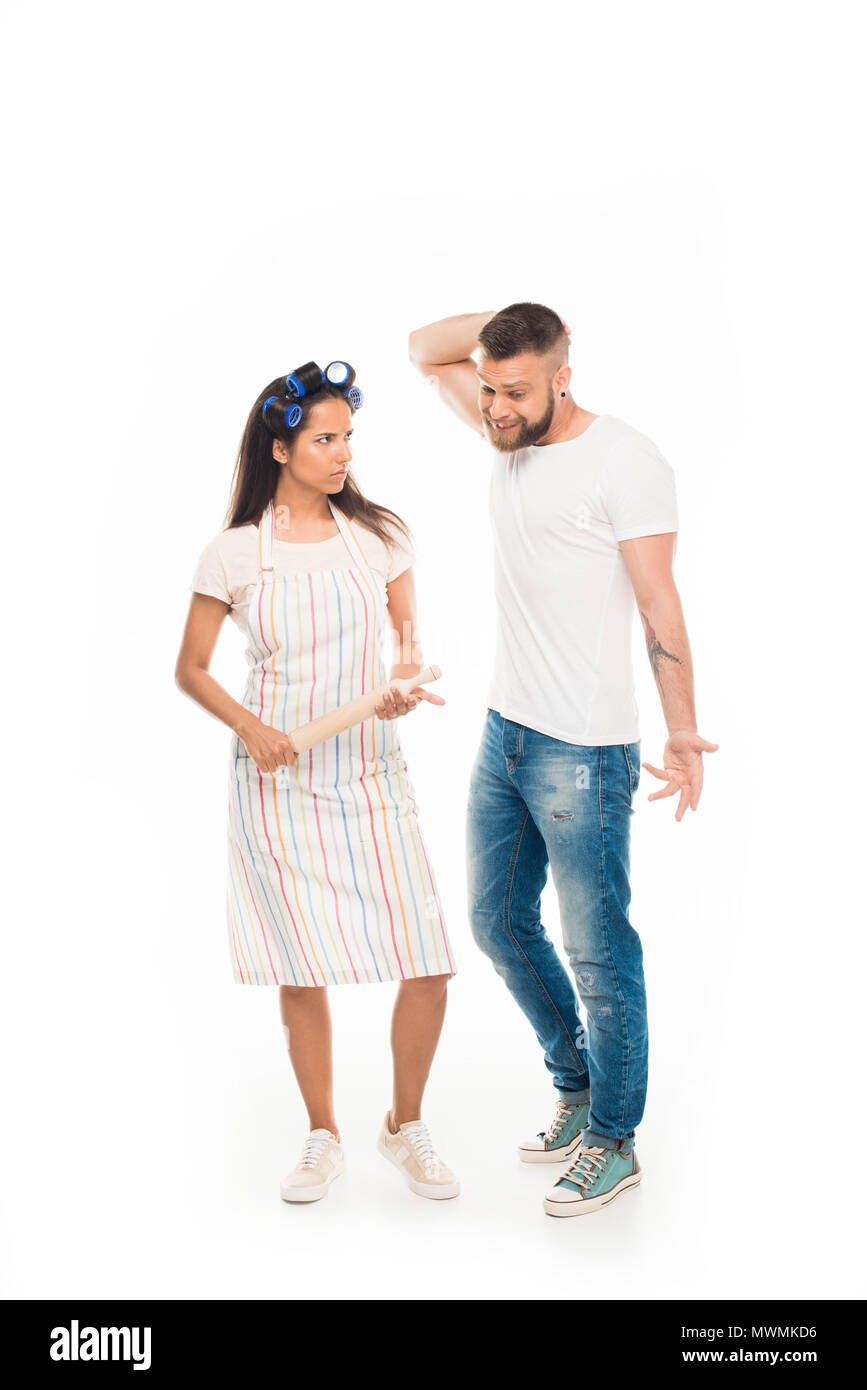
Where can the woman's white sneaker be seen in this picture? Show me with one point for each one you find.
(320, 1163)
(412, 1151)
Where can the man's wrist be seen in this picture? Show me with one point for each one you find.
(482, 320)
(449, 340)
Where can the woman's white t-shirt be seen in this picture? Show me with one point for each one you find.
(228, 567)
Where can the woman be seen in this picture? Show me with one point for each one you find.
(329, 880)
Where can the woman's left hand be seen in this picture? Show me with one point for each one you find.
(393, 704)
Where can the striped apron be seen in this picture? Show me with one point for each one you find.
(329, 880)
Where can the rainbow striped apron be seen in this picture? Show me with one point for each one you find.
(329, 881)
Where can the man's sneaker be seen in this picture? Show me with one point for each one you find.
(562, 1137)
(595, 1178)
(320, 1163)
(412, 1152)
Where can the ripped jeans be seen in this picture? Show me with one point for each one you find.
(535, 800)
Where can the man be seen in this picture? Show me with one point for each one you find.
(584, 516)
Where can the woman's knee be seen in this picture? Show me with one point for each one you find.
(435, 985)
(302, 994)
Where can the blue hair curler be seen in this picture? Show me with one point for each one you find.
(292, 416)
(355, 396)
(296, 384)
(338, 373)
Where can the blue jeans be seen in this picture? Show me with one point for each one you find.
(536, 800)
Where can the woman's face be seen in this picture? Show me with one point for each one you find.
(320, 454)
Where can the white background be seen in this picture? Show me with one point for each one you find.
(200, 197)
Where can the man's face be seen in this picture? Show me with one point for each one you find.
(516, 398)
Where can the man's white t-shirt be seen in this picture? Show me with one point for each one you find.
(565, 603)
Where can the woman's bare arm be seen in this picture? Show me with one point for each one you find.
(192, 676)
(408, 660)
(268, 747)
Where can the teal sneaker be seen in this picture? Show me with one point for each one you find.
(595, 1178)
(562, 1137)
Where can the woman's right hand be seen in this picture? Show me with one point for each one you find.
(269, 748)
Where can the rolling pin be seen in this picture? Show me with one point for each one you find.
(355, 711)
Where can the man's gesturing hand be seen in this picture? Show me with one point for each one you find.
(683, 769)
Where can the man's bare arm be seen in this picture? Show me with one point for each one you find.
(649, 560)
(442, 352)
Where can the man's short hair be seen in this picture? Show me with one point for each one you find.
(524, 328)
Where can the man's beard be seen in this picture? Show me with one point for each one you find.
(530, 432)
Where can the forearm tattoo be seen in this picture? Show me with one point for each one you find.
(655, 650)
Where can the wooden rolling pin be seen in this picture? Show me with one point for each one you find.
(355, 711)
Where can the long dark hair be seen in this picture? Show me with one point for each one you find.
(254, 481)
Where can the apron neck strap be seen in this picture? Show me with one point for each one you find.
(266, 540)
(349, 537)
